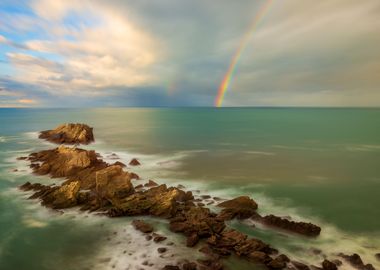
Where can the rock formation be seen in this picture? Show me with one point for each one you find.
(94, 185)
(69, 134)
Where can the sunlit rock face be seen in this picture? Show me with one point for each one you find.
(69, 134)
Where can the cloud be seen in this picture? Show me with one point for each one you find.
(109, 51)
(170, 52)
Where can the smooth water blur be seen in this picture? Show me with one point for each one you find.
(321, 163)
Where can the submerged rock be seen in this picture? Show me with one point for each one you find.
(69, 134)
(303, 228)
(142, 226)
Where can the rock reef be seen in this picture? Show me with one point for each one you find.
(69, 134)
(94, 185)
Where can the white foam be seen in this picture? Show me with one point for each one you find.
(260, 153)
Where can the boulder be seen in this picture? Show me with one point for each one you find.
(134, 162)
(241, 207)
(69, 134)
(377, 256)
(189, 266)
(142, 226)
(328, 265)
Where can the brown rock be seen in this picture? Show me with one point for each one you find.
(151, 183)
(328, 265)
(189, 266)
(134, 162)
(303, 228)
(142, 226)
(276, 264)
(300, 266)
(157, 201)
(259, 256)
(240, 207)
(171, 267)
(69, 134)
(121, 164)
(159, 238)
(377, 256)
(356, 261)
(162, 250)
(113, 184)
(63, 197)
(192, 240)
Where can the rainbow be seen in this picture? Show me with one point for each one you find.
(223, 87)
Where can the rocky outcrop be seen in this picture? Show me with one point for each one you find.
(92, 184)
(113, 184)
(241, 207)
(55, 197)
(307, 229)
(159, 201)
(69, 134)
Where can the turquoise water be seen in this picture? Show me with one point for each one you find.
(320, 165)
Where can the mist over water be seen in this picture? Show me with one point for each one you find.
(318, 165)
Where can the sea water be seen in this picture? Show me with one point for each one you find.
(312, 164)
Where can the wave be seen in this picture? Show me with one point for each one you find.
(260, 153)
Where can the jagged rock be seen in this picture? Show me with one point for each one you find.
(197, 220)
(192, 240)
(170, 267)
(134, 176)
(63, 197)
(151, 183)
(69, 134)
(241, 207)
(121, 164)
(134, 162)
(356, 261)
(54, 197)
(303, 228)
(113, 184)
(189, 266)
(211, 263)
(300, 266)
(227, 239)
(158, 201)
(328, 265)
(259, 256)
(142, 226)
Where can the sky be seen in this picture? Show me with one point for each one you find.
(96, 53)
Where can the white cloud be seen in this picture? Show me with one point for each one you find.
(108, 52)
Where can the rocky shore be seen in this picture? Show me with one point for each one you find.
(94, 185)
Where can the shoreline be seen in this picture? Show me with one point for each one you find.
(137, 180)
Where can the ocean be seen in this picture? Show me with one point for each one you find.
(320, 165)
